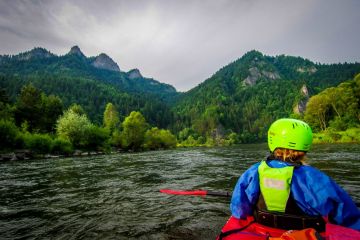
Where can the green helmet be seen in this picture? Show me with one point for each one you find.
(290, 133)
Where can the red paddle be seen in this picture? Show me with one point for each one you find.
(196, 192)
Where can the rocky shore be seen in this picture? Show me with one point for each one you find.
(27, 155)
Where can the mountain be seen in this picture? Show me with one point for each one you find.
(101, 68)
(239, 101)
(90, 81)
(248, 94)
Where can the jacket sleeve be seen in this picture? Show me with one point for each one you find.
(317, 194)
(246, 193)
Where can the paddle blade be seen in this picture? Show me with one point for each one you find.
(184, 192)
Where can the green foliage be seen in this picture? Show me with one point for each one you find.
(4, 97)
(39, 143)
(75, 80)
(62, 146)
(351, 135)
(335, 107)
(134, 128)
(96, 138)
(159, 139)
(8, 134)
(37, 109)
(186, 133)
(28, 106)
(73, 127)
(111, 117)
(6, 111)
(76, 108)
(189, 142)
(232, 139)
(51, 109)
(206, 115)
(226, 101)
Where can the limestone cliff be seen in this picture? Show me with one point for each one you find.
(103, 61)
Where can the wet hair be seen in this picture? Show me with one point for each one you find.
(289, 155)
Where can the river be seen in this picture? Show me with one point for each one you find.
(117, 196)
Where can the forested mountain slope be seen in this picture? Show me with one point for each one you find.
(89, 81)
(247, 95)
(237, 103)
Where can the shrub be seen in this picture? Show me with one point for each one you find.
(39, 143)
(62, 146)
(159, 138)
(354, 134)
(97, 138)
(8, 134)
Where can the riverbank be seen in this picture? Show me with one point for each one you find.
(351, 135)
(28, 155)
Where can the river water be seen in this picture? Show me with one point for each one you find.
(117, 196)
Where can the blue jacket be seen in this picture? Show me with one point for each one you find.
(313, 191)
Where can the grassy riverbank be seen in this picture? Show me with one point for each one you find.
(351, 135)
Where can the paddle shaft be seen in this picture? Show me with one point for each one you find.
(205, 193)
(219, 194)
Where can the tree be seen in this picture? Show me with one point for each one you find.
(28, 107)
(316, 113)
(52, 108)
(4, 98)
(38, 110)
(111, 117)
(74, 127)
(76, 108)
(8, 134)
(134, 127)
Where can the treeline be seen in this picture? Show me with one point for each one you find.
(236, 105)
(335, 113)
(92, 95)
(38, 122)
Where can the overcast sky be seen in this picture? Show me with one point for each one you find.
(183, 42)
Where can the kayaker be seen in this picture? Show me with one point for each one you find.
(283, 192)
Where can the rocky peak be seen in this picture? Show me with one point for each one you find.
(76, 51)
(134, 73)
(103, 61)
(35, 53)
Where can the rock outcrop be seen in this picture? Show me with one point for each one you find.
(134, 73)
(300, 107)
(75, 50)
(255, 74)
(308, 70)
(103, 61)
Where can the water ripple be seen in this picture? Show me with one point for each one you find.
(117, 196)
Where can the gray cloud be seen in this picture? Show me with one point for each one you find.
(183, 42)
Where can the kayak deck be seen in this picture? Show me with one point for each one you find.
(238, 229)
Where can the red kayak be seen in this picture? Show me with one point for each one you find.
(238, 229)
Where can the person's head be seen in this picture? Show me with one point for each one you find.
(289, 139)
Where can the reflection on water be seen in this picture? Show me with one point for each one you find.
(117, 196)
